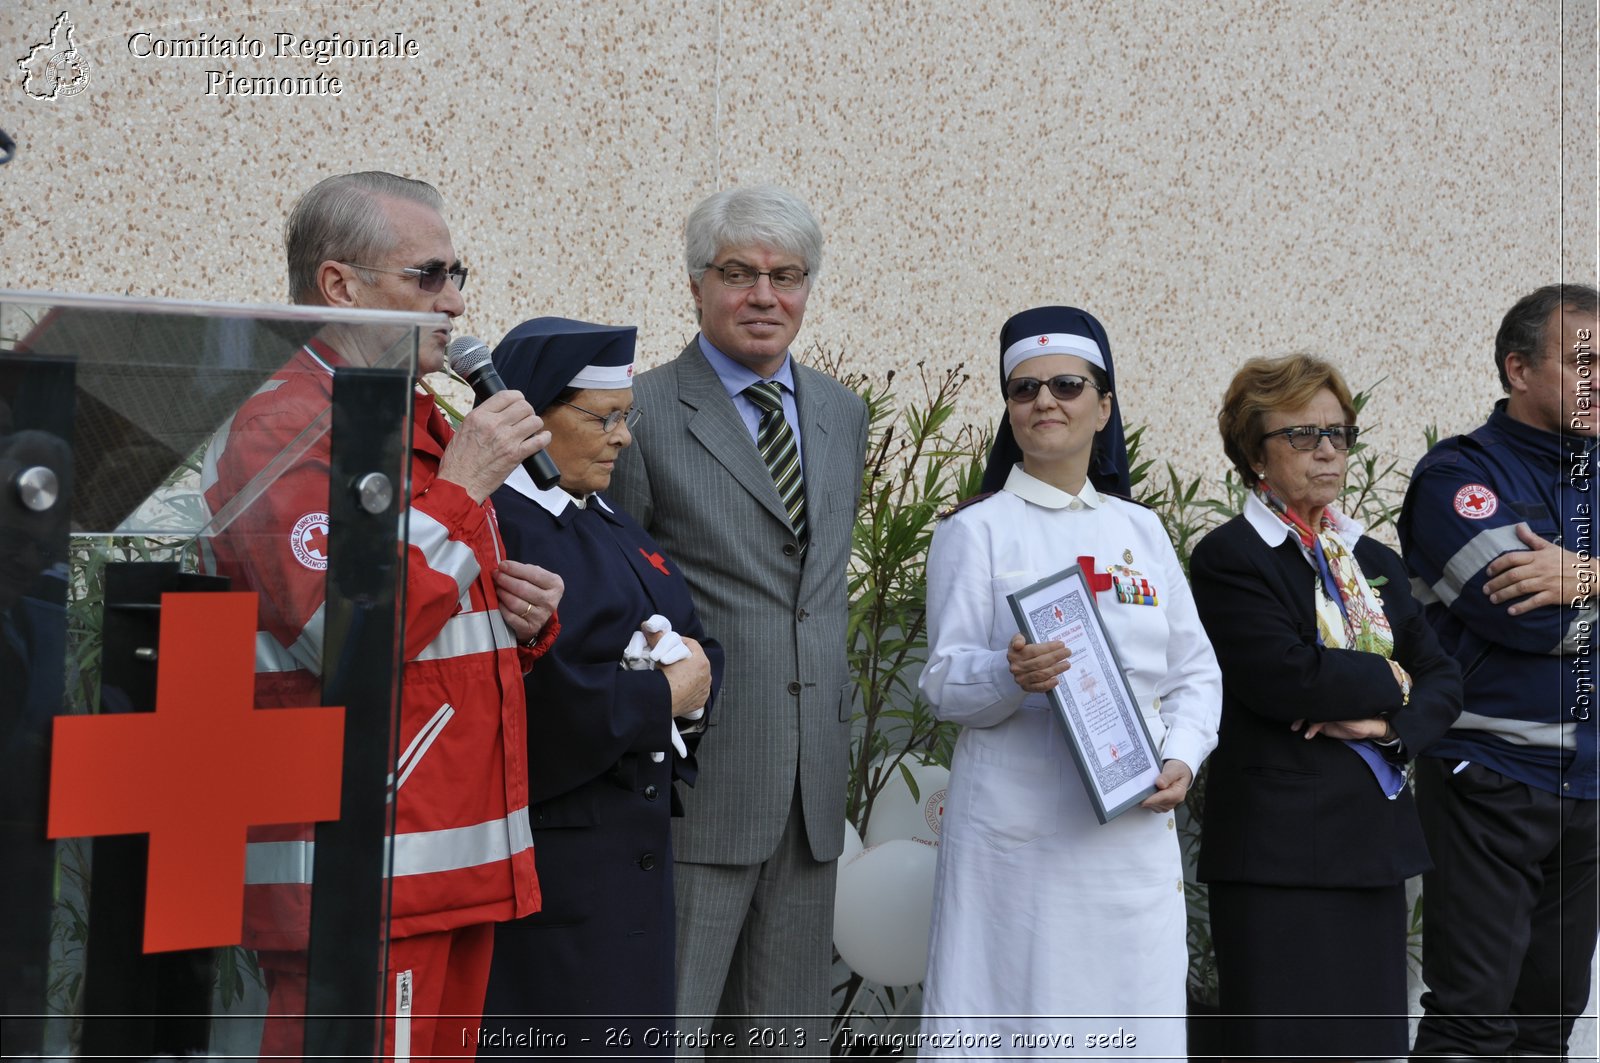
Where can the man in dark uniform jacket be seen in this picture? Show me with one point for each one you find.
(1498, 534)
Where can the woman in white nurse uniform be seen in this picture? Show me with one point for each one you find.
(1056, 934)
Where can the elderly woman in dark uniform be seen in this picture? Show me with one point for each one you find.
(1331, 683)
(613, 716)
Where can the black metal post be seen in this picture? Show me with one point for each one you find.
(361, 662)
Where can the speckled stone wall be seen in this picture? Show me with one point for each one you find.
(1370, 180)
(1373, 180)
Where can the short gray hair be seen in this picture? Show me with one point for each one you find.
(342, 219)
(761, 214)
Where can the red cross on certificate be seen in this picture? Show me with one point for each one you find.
(197, 772)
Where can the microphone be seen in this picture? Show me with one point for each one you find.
(469, 357)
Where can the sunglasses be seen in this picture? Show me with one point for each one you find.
(1065, 387)
(429, 278)
(1309, 436)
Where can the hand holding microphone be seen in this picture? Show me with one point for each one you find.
(501, 431)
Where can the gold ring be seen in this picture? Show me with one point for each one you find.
(528, 611)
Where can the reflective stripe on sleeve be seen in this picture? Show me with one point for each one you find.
(1580, 633)
(1470, 559)
(209, 474)
(1521, 732)
(276, 863)
(433, 851)
(308, 647)
(443, 554)
(482, 631)
(418, 853)
(305, 654)
(271, 656)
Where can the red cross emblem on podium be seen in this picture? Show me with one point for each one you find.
(308, 541)
(197, 772)
(317, 542)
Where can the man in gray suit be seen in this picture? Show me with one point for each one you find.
(746, 468)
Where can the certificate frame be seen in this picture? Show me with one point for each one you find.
(1097, 707)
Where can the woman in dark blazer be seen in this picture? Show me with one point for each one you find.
(1332, 681)
(612, 722)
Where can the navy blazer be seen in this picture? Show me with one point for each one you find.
(1279, 809)
(589, 719)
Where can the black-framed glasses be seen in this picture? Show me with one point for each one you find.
(1309, 436)
(429, 278)
(609, 421)
(784, 279)
(1065, 387)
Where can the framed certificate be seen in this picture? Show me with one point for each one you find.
(1113, 749)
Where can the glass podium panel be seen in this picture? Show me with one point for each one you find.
(202, 519)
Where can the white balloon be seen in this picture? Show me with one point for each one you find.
(896, 814)
(852, 849)
(883, 909)
(852, 844)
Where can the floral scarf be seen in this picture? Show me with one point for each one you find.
(1349, 612)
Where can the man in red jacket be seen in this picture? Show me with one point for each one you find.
(462, 850)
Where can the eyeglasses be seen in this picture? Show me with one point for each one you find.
(429, 278)
(1309, 436)
(609, 422)
(785, 279)
(1065, 387)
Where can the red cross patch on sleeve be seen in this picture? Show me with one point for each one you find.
(1475, 502)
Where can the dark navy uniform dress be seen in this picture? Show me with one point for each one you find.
(601, 772)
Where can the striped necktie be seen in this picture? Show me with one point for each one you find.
(777, 445)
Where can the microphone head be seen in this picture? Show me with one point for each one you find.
(467, 355)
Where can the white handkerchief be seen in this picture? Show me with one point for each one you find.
(639, 655)
(636, 655)
(670, 650)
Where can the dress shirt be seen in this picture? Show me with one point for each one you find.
(736, 378)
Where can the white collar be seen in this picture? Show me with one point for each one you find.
(554, 500)
(1032, 489)
(1274, 531)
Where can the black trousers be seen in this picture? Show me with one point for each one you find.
(1508, 913)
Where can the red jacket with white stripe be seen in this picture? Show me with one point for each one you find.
(462, 848)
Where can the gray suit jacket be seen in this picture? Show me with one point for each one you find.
(696, 482)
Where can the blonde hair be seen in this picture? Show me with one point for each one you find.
(1263, 385)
